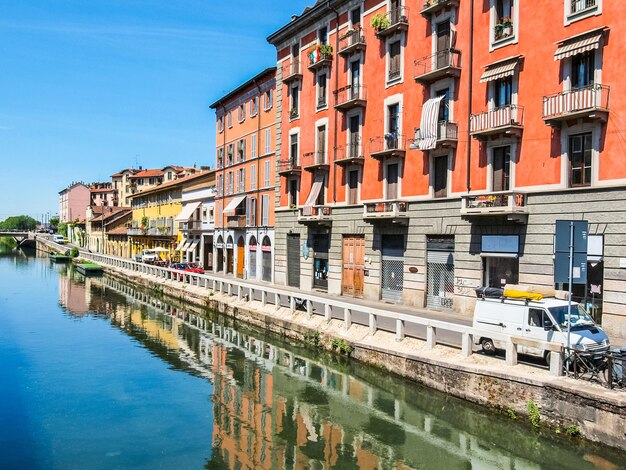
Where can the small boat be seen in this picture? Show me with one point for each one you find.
(89, 268)
(59, 258)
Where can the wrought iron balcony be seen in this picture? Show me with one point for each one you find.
(352, 41)
(351, 154)
(433, 7)
(291, 71)
(447, 135)
(389, 145)
(191, 225)
(313, 161)
(590, 102)
(508, 120)
(446, 63)
(350, 97)
(385, 210)
(236, 221)
(389, 23)
(507, 203)
(315, 214)
(289, 167)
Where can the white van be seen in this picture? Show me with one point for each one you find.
(542, 320)
(147, 256)
(60, 239)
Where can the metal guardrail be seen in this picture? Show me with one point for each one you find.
(607, 368)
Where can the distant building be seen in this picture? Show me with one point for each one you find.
(73, 201)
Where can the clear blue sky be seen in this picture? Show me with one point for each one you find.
(90, 87)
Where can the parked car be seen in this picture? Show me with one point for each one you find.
(60, 239)
(534, 317)
(147, 256)
(194, 268)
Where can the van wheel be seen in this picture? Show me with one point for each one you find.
(488, 346)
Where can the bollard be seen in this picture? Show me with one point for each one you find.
(511, 354)
(372, 324)
(556, 363)
(327, 313)
(309, 308)
(431, 337)
(399, 330)
(263, 298)
(292, 304)
(239, 292)
(466, 345)
(347, 319)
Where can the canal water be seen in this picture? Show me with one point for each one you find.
(96, 374)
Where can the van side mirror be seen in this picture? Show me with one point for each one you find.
(548, 326)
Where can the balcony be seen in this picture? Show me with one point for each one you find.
(315, 214)
(503, 30)
(191, 225)
(291, 71)
(163, 231)
(350, 97)
(433, 7)
(152, 230)
(236, 221)
(386, 210)
(352, 41)
(289, 167)
(389, 145)
(591, 102)
(136, 232)
(351, 154)
(392, 22)
(508, 203)
(313, 161)
(446, 63)
(447, 135)
(321, 56)
(505, 120)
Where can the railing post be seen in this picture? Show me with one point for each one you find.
(239, 292)
(263, 297)
(309, 308)
(431, 337)
(511, 353)
(230, 289)
(347, 319)
(372, 324)
(399, 329)
(292, 304)
(466, 345)
(327, 312)
(556, 363)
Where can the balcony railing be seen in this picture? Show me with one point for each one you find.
(320, 56)
(503, 120)
(503, 30)
(349, 154)
(350, 97)
(389, 145)
(191, 225)
(160, 231)
(385, 210)
(432, 7)
(289, 167)
(315, 214)
(352, 41)
(152, 230)
(292, 71)
(236, 221)
(438, 65)
(386, 24)
(495, 203)
(589, 102)
(313, 161)
(136, 231)
(580, 5)
(447, 135)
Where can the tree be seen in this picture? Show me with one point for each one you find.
(19, 222)
(54, 222)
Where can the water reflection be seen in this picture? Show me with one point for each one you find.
(280, 405)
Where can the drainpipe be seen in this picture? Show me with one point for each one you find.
(336, 123)
(258, 153)
(469, 98)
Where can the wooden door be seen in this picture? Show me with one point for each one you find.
(353, 265)
(293, 260)
(320, 157)
(353, 186)
(392, 181)
(443, 44)
(241, 257)
(440, 183)
(501, 164)
(355, 73)
(355, 138)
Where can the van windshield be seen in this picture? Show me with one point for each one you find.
(578, 317)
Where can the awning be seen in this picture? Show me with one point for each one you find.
(428, 125)
(500, 69)
(193, 245)
(499, 255)
(186, 246)
(234, 203)
(579, 44)
(180, 245)
(187, 212)
(318, 182)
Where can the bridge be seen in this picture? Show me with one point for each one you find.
(23, 238)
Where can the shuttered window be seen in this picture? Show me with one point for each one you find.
(394, 60)
(265, 210)
(253, 177)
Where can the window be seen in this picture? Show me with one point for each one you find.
(499, 272)
(151, 181)
(254, 106)
(391, 181)
(265, 210)
(503, 19)
(580, 159)
(322, 35)
(231, 152)
(501, 168)
(353, 186)
(220, 185)
(229, 118)
(583, 68)
(321, 90)
(502, 92)
(253, 146)
(295, 95)
(355, 18)
(293, 192)
(268, 141)
(230, 182)
(204, 215)
(251, 213)
(220, 124)
(293, 149)
(267, 174)
(394, 61)
(252, 177)
(320, 156)
(393, 126)
(220, 158)
(440, 181)
(579, 9)
(268, 98)
(241, 150)
(241, 113)
(580, 5)
(444, 105)
(241, 186)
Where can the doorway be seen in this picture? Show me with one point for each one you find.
(293, 260)
(392, 267)
(241, 257)
(353, 270)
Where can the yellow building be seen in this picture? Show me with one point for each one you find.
(154, 211)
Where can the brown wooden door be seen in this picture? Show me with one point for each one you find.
(440, 182)
(392, 181)
(353, 265)
(443, 44)
(241, 257)
(321, 145)
(501, 165)
(353, 186)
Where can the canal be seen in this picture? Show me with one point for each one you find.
(97, 374)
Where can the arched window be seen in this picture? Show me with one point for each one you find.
(266, 249)
(252, 257)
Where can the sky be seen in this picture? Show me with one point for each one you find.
(88, 88)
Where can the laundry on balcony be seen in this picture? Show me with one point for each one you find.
(187, 211)
(234, 203)
(579, 44)
(428, 124)
(318, 182)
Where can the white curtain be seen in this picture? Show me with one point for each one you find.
(428, 125)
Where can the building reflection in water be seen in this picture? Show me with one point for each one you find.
(281, 406)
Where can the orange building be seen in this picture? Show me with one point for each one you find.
(427, 148)
(245, 199)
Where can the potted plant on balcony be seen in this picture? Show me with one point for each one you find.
(426, 4)
(380, 22)
(326, 51)
(293, 113)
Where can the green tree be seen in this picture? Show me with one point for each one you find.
(19, 222)
(54, 222)
(62, 229)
